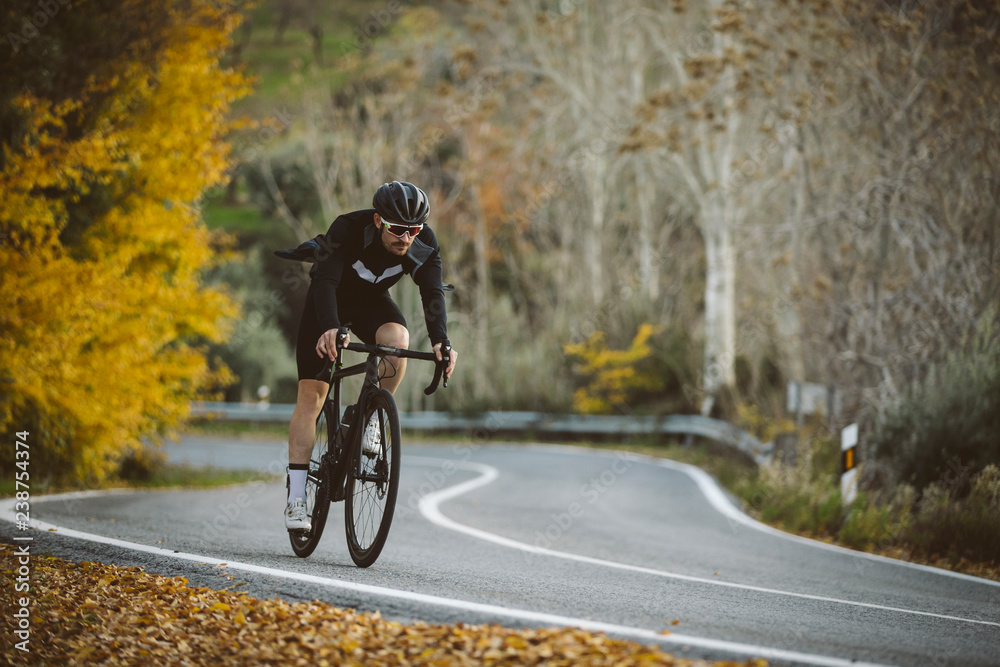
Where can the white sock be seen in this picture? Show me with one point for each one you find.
(297, 484)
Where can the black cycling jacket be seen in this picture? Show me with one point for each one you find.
(353, 263)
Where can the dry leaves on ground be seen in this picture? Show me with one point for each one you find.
(95, 614)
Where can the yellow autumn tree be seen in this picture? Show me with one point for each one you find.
(115, 118)
(612, 378)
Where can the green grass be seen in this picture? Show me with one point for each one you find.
(240, 218)
(263, 430)
(170, 476)
(287, 70)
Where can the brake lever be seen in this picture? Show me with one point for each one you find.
(326, 375)
(440, 367)
(445, 358)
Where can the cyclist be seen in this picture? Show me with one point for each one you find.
(363, 254)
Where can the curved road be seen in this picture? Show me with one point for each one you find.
(541, 536)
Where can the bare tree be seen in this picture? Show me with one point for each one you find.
(912, 198)
(704, 125)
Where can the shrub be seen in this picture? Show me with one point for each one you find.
(794, 500)
(611, 378)
(952, 419)
(874, 524)
(967, 528)
(935, 525)
(256, 351)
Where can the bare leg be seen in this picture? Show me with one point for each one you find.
(394, 335)
(302, 430)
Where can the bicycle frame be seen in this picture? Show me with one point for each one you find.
(344, 440)
(334, 375)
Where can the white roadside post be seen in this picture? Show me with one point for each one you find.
(849, 464)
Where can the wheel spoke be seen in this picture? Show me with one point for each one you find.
(372, 486)
(317, 504)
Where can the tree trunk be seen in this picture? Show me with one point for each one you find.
(480, 329)
(720, 300)
(592, 239)
(789, 326)
(316, 32)
(648, 270)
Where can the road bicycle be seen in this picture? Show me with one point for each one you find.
(356, 459)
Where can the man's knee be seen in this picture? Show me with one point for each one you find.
(311, 395)
(393, 334)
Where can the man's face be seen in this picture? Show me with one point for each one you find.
(397, 245)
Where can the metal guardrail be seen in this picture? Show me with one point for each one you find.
(486, 423)
(250, 412)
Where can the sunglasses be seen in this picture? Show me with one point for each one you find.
(397, 229)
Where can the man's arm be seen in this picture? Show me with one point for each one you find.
(329, 269)
(429, 279)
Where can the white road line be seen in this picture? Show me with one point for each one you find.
(430, 507)
(524, 615)
(721, 502)
(717, 498)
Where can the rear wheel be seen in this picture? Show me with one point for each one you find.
(372, 478)
(317, 487)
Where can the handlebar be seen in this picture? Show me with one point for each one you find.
(326, 375)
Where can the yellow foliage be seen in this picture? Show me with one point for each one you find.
(99, 331)
(613, 377)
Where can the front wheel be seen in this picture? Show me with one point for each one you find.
(372, 478)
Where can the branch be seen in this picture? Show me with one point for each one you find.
(324, 175)
(279, 201)
(689, 177)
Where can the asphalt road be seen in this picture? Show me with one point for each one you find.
(542, 536)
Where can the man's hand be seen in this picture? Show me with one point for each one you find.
(326, 346)
(451, 365)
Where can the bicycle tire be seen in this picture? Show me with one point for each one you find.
(317, 486)
(372, 481)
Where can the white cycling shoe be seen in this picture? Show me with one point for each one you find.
(297, 517)
(371, 441)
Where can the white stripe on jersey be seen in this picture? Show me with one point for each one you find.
(365, 273)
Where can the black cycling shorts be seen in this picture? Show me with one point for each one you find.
(364, 317)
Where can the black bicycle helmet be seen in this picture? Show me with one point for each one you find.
(402, 202)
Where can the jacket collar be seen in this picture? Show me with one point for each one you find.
(370, 230)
